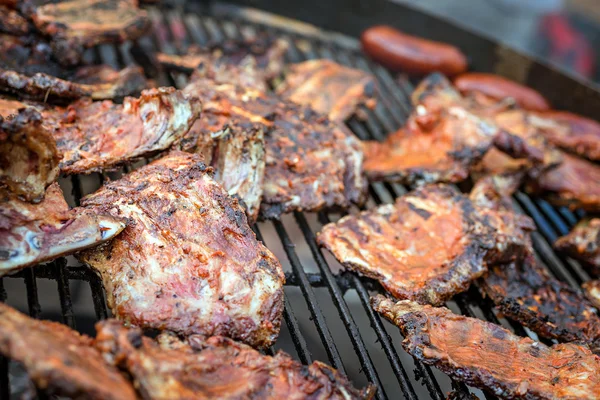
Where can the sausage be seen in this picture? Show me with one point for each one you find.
(500, 88)
(401, 52)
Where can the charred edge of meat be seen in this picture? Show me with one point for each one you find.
(583, 244)
(12, 22)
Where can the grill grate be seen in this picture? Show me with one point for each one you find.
(325, 307)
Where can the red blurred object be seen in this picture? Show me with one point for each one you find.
(568, 46)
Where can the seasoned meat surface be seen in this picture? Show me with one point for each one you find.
(94, 136)
(250, 63)
(236, 152)
(312, 163)
(329, 88)
(58, 359)
(441, 142)
(188, 261)
(34, 233)
(216, 368)
(524, 291)
(490, 357)
(75, 25)
(583, 244)
(12, 22)
(494, 191)
(429, 245)
(574, 183)
(28, 154)
(591, 289)
(28, 70)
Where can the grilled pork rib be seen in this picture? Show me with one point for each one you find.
(329, 88)
(188, 261)
(311, 162)
(59, 360)
(429, 245)
(34, 233)
(75, 25)
(28, 154)
(28, 69)
(490, 357)
(525, 292)
(216, 368)
(583, 244)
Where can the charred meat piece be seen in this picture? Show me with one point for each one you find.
(59, 360)
(34, 233)
(188, 262)
(490, 357)
(94, 136)
(312, 163)
(75, 25)
(236, 152)
(583, 244)
(216, 368)
(27, 69)
(329, 88)
(494, 191)
(574, 183)
(572, 133)
(28, 155)
(441, 142)
(250, 63)
(12, 22)
(525, 292)
(591, 289)
(429, 245)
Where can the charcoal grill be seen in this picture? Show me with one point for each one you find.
(327, 312)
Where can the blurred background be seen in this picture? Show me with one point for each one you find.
(563, 32)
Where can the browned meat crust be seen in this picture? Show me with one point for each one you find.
(216, 368)
(34, 233)
(28, 155)
(591, 289)
(10, 108)
(329, 88)
(429, 245)
(312, 163)
(58, 359)
(188, 261)
(251, 63)
(525, 292)
(442, 140)
(12, 22)
(75, 25)
(490, 357)
(583, 244)
(494, 191)
(573, 133)
(574, 183)
(94, 136)
(28, 70)
(236, 152)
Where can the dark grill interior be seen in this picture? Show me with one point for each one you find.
(327, 310)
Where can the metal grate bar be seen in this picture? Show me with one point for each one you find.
(32, 296)
(64, 292)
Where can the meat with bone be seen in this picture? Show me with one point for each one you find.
(312, 163)
(490, 357)
(429, 245)
(28, 69)
(188, 262)
(236, 152)
(34, 233)
(525, 292)
(583, 244)
(251, 63)
(28, 155)
(573, 184)
(442, 140)
(329, 88)
(59, 360)
(591, 289)
(94, 136)
(75, 25)
(216, 368)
